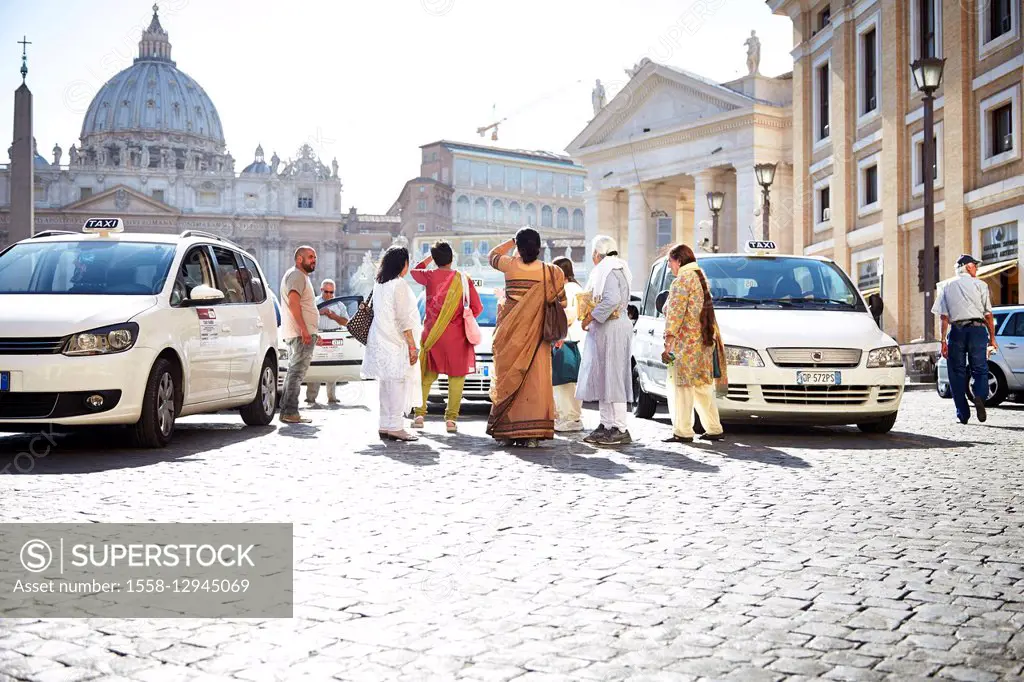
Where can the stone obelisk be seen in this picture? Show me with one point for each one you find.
(22, 164)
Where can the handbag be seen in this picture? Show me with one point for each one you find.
(565, 363)
(556, 324)
(359, 325)
(472, 328)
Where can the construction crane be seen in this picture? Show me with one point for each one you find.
(493, 127)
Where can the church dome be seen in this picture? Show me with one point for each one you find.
(153, 97)
(259, 166)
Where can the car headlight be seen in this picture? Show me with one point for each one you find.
(282, 354)
(114, 339)
(744, 357)
(889, 356)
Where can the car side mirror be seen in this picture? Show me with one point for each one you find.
(659, 303)
(203, 294)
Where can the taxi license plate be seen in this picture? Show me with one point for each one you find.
(5, 381)
(819, 378)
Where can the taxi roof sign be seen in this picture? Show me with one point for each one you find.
(103, 225)
(761, 246)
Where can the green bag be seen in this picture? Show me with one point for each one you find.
(565, 363)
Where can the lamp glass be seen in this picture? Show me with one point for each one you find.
(716, 200)
(765, 173)
(927, 73)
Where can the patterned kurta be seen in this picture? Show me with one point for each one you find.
(694, 365)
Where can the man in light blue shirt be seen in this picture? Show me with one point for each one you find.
(966, 309)
(329, 321)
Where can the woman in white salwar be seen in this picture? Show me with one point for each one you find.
(392, 357)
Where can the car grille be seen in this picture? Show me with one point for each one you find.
(26, 405)
(31, 346)
(473, 384)
(888, 393)
(805, 357)
(738, 392)
(485, 357)
(816, 395)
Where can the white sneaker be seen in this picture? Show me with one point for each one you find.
(565, 427)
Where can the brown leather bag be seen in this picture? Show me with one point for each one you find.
(556, 325)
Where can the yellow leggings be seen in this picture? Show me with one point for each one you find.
(455, 386)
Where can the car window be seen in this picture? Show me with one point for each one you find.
(228, 275)
(252, 285)
(107, 267)
(998, 319)
(747, 281)
(346, 306)
(195, 270)
(1015, 327)
(653, 288)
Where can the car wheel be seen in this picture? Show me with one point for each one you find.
(943, 391)
(883, 425)
(156, 423)
(644, 404)
(260, 411)
(997, 387)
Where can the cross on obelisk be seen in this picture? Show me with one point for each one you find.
(24, 57)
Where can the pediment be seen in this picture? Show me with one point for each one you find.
(122, 200)
(657, 98)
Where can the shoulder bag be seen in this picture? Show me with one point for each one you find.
(359, 325)
(472, 328)
(556, 325)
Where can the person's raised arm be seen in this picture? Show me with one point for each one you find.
(419, 273)
(499, 258)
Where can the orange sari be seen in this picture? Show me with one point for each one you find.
(523, 404)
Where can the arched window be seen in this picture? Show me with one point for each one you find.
(563, 218)
(497, 212)
(462, 208)
(545, 216)
(480, 210)
(531, 215)
(577, 220)
(514, 214)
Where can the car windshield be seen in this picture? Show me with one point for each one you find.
(111, 268)
(754, 282)
(488, 316)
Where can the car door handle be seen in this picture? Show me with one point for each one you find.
(1011, 345)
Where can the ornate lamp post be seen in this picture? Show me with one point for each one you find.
(928, 77)
(765, 173)
(715, 202)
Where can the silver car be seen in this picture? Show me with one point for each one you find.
(1005, 366)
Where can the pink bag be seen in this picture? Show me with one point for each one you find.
(472, 328)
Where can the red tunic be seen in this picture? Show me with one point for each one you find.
(452, 355)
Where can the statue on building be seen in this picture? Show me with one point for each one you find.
(334, 167)
(122, 155)
(637, 67)
(73, 155)
(101, 156)
(568, 252)
(57, 152)
(229, 163)
(144, 157)
(597, 97)
(275, 161)
(753, 44)
(547, 253)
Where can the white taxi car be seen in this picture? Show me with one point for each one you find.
(338, 356)
(107, 327)
(801, 345)
(478, 384)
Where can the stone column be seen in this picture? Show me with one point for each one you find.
(599, 214)
(684, 224)
(703, 182)
(960, 150)
(843, 133)
(746, 197)
(896, 284)
(803, 131)
(22, 224)
(330, 262)
(639, 248)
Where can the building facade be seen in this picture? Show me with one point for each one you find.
(152, 151)
(670, 137)
(476, 197)
(858, 140)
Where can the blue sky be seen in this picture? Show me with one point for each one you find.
(369, 82)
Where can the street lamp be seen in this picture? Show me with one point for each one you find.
(715, 202)
(765, 173)
(927, 74)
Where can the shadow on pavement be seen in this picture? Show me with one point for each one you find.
(301, 431)
(105, 449)
(414, 453)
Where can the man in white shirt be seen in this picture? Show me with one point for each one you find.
(329, 321)
(299, 324)
(966, 310)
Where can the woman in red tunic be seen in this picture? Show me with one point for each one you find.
(446, 350)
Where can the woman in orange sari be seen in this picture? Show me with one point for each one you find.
(523, 406)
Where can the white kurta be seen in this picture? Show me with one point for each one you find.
(387, 352)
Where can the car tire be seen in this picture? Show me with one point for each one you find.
(997, 396)
(644, 404)
(159, 407)
(943, 391)
(260, 411)
(883, 425)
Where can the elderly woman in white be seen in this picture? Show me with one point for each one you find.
(604, 370)
(391, 354)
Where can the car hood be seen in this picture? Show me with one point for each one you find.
(29, 315)
(774, 328)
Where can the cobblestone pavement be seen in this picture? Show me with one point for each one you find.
(781, 554)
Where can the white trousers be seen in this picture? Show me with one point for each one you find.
(613, 415)
(567, 407)
(392, 403)
(682, 402)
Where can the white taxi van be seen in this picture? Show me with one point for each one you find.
(801, 346)
(105, 327)
(338, 356)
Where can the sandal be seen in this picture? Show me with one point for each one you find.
(417, 423)
(402, 435)
(451, 426)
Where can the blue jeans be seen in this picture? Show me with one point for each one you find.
(967, 349)
(299, 356)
